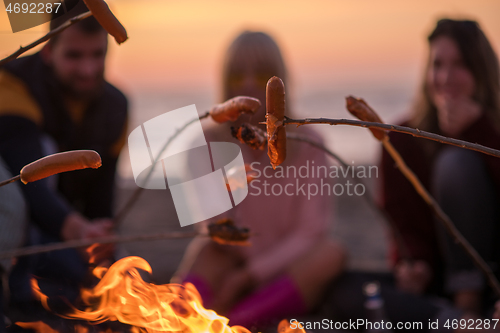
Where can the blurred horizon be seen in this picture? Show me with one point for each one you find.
(371, 49)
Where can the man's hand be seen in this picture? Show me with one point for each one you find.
(413, 277)
(455, 114)
(73, 226)
(98, 228)
(77, 227)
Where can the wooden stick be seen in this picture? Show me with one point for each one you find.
(11, 180)
(45, 38)
(368, 198)
(102, 240)
(434, 206)
(395, 128)
(122, 213)
(445, 220)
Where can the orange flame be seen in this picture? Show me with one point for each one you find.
(286, 327)
(122, 295)
(38, 326)
(91, 253)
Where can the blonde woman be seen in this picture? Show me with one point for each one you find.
(291, 259)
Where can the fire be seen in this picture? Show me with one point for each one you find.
(122, 295)
(286, 327)
(37, 326)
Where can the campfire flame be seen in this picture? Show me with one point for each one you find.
(38, 326)
(285, 326)
(122, 295)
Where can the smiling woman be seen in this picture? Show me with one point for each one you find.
(460, 97)
(292, 259)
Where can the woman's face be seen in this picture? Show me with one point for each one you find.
(250, 80)
(448, 76)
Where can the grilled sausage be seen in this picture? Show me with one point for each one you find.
(275, 114)
(61, 162)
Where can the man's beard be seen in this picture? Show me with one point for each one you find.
(69, 90)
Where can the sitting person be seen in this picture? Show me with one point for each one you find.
(58, 100)
(460, 99)
(13, 225)
(291, 259)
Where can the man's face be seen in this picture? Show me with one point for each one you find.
(77, 59)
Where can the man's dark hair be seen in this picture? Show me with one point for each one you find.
(75, 7)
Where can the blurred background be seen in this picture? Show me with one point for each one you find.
(370, 49)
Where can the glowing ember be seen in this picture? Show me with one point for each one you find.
(286, 326)
(122, 295)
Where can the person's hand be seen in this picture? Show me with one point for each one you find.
(101, 227)
(455, 114)
(234, 286)
(413, 277)
(75, 226)
(99, 254)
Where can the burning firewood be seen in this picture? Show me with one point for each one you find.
(275, 114)
(231, 109)
(225, 232)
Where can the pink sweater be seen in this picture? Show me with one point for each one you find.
(284, 226)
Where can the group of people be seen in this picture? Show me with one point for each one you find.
(58, 99)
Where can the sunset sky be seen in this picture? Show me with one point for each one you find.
(179, 44)
(335, 46)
